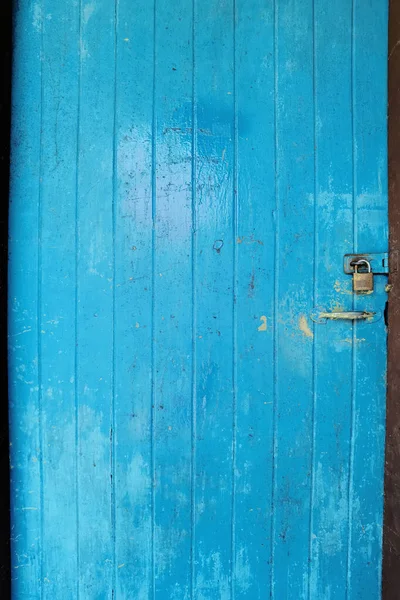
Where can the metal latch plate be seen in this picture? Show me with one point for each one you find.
(379, 262)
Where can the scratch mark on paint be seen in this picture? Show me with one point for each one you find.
(251, 286)
(21, 332)
(263, 326)
(394, 48)
(304, 327)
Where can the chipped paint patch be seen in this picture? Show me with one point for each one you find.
(356, 340)
(338, 288)
(263, 326)
(304, 327)
(243, 570)
(37, 17)
(87, 12)
(84, 50)
(248, 240)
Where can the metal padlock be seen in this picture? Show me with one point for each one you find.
(363, 283)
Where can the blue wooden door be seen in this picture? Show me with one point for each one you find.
(186, 179)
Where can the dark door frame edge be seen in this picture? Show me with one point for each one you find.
(391, 524)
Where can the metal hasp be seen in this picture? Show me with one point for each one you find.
(379, 262)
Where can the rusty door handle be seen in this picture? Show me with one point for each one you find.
(319, 315)
(350, 315)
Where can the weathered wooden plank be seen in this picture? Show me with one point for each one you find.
(95, 312)
(254, 295)
(333, 289)
(57, 277)
(214, 288)
(172, 302)
(294, 269)
(133, 305)
(369, 63)
(24, 345)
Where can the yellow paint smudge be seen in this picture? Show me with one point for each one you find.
(336, 307)
(263, 326)
(304, 327)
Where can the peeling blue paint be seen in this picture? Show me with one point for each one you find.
(186, 180)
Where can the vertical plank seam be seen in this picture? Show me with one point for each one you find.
(76, 354)
(113, 387)
(194, 307)
(275, 324)
(315, 331)
(39, 305)
(234, 303)
(153, 264)
(354, 329)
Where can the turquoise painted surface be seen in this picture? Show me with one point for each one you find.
(186, 178)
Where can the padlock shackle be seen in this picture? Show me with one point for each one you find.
(362, 261)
